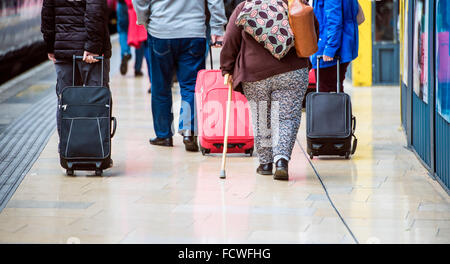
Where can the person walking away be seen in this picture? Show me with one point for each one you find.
(122, 30)
(82, 33)
(335, 17)
(137, 38)
(177, 43)
(274, 86)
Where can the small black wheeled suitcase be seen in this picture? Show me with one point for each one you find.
(86, 127)
(330, 125)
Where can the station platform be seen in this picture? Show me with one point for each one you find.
(154, 194)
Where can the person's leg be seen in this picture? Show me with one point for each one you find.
(139, 57)
(328, 78)
(148, 58)
(190, 61)
(286, 116)
(91, 73)
(146, 46)
(208, 42)
(64, 78)
(122, 30)
(162, 72)
(343, 71)
(258, 96)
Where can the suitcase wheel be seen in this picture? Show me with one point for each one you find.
(205, 151)
(311, 156)
(70, 172)
(98, 172)
(347, 155)
(249, 151)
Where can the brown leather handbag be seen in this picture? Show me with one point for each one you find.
(301, 20)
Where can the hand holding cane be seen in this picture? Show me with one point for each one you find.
(227, 121)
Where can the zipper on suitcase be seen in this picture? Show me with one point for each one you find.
(64, 107)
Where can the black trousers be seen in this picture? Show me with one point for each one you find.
(328, 78)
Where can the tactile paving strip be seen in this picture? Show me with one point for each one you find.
(22, 142)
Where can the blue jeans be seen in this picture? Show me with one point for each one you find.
(187, 57)
(208, 40)
(142, 52)
(122, 28)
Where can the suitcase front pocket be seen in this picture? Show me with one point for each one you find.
(86, 110)
(85, 138)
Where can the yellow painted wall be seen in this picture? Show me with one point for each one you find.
(362, 66)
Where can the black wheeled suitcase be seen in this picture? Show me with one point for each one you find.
(330, 125)
(86, 127)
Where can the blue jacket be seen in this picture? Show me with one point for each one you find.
(338, 30)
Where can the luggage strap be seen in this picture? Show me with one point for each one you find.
(355, 140)
(114, 121)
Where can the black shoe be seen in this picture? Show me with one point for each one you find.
(190, 143)
(138, 74)
(281, 170)
(265, 169)
(166, 142)
(174, 79)
(124, 64)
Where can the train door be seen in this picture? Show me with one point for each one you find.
(385, 42)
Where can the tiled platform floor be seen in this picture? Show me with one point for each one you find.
(165, 195)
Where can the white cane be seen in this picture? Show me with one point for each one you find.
(227, 121)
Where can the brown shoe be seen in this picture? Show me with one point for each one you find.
(190, 143)
(281, 170)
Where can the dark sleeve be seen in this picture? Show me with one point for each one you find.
(94, 22)
(232, 43)
(48, 24)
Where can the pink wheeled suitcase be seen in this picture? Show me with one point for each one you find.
(211, 96)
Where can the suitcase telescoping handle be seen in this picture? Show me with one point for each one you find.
(210, 57)
(210, 52)
(100, 58)
(338, 85)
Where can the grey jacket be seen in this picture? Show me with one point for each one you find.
(169, 19)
